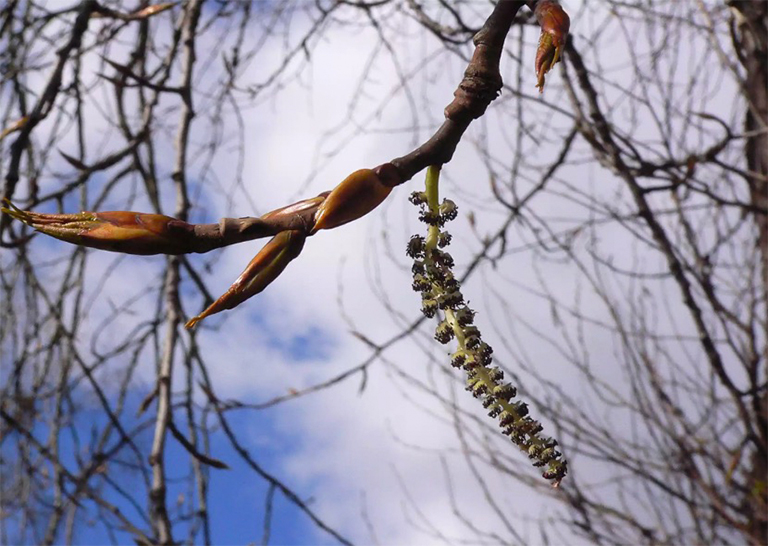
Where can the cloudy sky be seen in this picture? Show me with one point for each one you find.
(379, 457)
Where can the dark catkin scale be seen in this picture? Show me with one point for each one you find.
(535, 451)
(478, 389)
(472, 341)
(429, 217)
(496, 375)
(448, 210)
(444, 333)
(454, 300)
(436, 273)
(472, 331)
(415, 247)
(429, 307)
(521, 408)
(421, 284)
(443, 259)
(458, 358)
(470, 364)
(418, 198)
(505, 392)
(465, 316)
(450, 283)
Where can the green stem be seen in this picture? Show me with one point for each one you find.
(433, 202)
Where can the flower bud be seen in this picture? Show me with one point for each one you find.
(495, 374)
(415, 247)
(357, 195)
(444, 332)
(448, 211)
(505, 392)
(420, 283)
(429, 217)
(429, 307)
(458, 358)
(555, 25)
(465, 316)
(118, 231)
(263, 269)
(418, 198)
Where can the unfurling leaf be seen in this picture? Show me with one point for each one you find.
(357, 195)
(263, 269)
(118, 231)
(555, 25)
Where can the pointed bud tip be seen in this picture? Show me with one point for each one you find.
(555, 25)
(191, 323)
(357, 195)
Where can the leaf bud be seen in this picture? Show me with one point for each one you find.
(265, 267)
(357, 195)
(555, 25)
(117, 231)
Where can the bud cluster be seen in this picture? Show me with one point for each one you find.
(441, 292)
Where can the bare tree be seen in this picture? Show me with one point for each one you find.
(621, 233)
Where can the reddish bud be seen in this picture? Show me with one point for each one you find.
(263, 269)
(357, 195)
(555, 25)
(118, 231)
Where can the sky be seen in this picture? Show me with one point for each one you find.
(373, 459)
